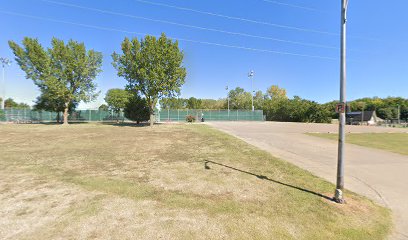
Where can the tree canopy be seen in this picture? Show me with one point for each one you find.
(64, 73)
(136, 109)
(240, 99)
(117, 99)
(151, 66)
(10, 103)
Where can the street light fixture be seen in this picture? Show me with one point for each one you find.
(251, 76)
(338, 196)
(4, 63)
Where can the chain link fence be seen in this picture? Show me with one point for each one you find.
(179, 115)
(166, 115)
(32, 116)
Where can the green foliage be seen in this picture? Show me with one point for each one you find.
(386, 108)
(183, 103)
(194, 103)
(2, 115)
(10, 103)
(190, 118)
(240, 99)
(259, 100)
(280, 108)
(173, 103)
(136, 109)
(64, 73)
(152, 67)
(104, 108)
(117, 99)
(274, 92)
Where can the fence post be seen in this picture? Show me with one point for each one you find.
(237, 114)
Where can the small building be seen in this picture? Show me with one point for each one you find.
(362, 118)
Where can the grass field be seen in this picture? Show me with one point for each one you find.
(168, 182)
(393, 142)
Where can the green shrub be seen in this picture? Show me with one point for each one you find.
(190, 118)
(137, 110)
(2, 115)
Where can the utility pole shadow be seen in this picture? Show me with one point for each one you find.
(262, 177)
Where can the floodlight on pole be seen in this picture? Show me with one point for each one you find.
(338, 196)
(4, 63)
(251, 77)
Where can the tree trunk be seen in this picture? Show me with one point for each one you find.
(58, 117)
(152, 115)
(151, 119)
(66, 116)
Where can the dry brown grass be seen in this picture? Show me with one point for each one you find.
(167, 182)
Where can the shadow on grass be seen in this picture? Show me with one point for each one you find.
(262, 177)
(129, 124)
(55, 123)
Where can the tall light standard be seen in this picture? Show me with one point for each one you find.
(4, 62)
(226, 88)
(338, 196)
(251, 76)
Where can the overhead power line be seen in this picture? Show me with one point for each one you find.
(174, 38)
(291, 5)
(238, 18)
(254, 21)
(188, 26)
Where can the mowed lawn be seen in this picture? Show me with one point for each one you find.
(393, 142)
(186, 181)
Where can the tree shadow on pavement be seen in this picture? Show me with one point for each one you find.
(262, 177)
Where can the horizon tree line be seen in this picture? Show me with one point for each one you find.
(65, 74)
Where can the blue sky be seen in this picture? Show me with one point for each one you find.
(377, 42)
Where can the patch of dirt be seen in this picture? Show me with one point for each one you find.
(121, 218)
(215, 181)
(29, 203)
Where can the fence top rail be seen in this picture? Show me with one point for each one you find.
(189, 109)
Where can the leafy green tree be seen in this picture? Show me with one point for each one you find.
(104, 108)
(64, 72)
(153, 67)
(2, 115)
(47, 102)
(331, 108)
(214, 104)
(173, 103)
(387, 113)
(194, 103)
(117, 99)
(275, 91)
(137, 109)
(10, 103)
(240, 99)
(259, 100)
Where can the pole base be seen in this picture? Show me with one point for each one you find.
(338, 196)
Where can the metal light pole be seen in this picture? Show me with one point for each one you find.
(4, 62)
(399, 114)
(251, 76)
(226, 88)
(338, 196)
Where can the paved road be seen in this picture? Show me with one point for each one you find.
(377, 174)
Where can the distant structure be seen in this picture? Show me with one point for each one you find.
(368, 118)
